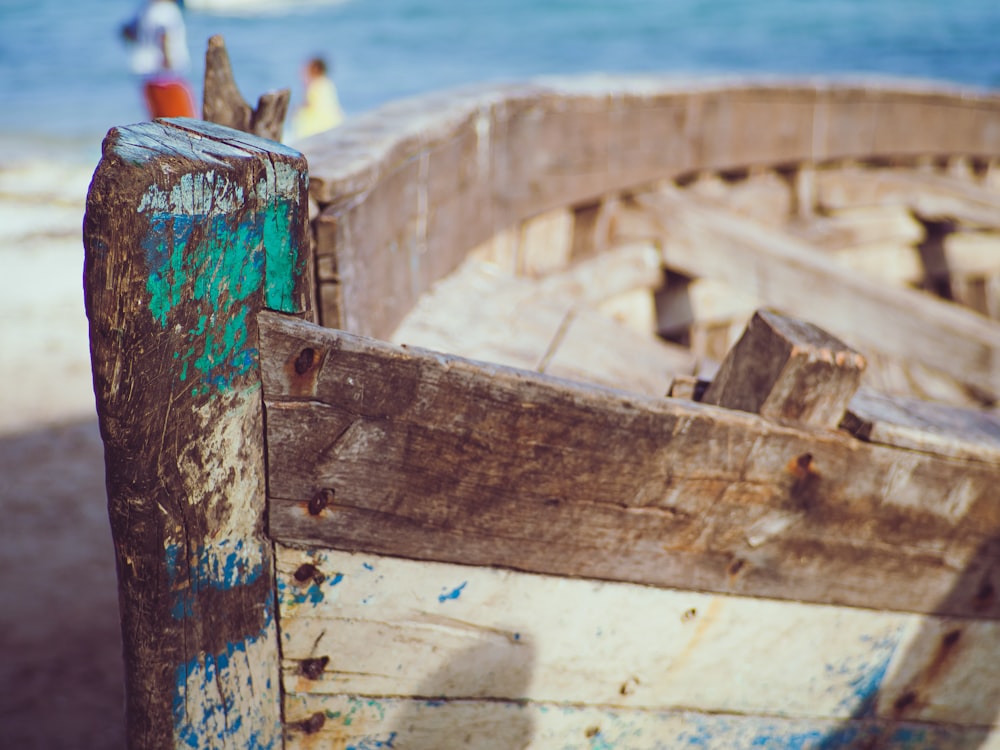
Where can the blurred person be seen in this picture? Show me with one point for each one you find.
(321, 109)
(160, 56)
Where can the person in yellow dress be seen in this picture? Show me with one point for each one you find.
(321, 109)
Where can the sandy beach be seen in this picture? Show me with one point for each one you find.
(59, 631)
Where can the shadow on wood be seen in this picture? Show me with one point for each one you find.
(947, 669)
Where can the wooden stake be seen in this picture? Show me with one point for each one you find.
(191, 229)
(788, 369)
(223, 104)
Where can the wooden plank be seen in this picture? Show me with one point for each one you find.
(593, 348)
(522, 323)
(931, 196)
(700, 240)
(434, 457)
(484, 313)
(785, 369)
(635, 310)
(970, 254)
(545, 243)
(408, 190)
(422, 724)
(763, 195)
(925, 426)
(190, 230)
(458, 635)
(892, 263)
(859, 225)
(683, 302)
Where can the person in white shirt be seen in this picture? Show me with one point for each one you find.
(160, 56)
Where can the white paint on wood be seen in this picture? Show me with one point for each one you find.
(555, 323)
(887, 262)
(365, 723)
(545, 243)
(393, 627)
(930, 195)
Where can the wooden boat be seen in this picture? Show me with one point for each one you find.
(328, 536)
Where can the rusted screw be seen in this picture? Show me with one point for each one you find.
(950, 638)
(322, 499)
(309, 572)
(313, 668)
(904, 701)
(311, 725)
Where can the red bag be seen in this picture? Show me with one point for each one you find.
(169, 97)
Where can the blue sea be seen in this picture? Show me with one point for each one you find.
(64, 71)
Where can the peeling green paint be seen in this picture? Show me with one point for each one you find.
(221, 261)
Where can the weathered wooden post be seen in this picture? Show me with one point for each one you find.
(223, 104)
(191, 229)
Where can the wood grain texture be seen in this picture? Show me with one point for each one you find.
(363, 632)
(700, 240)
(925, 426)
(409, 189)
(434, 457)
(422, 724)
(191, 229)
(784, 369)
(931, 196)
(553, 323)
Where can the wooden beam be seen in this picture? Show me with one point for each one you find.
(551, 323)
(423, 455)
(929, 195)
(190, 230)
(789, 275)
(920, 425)
(785, 369)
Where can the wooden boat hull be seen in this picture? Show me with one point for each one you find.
(328, 540)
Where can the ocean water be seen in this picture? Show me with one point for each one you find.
(64, 74)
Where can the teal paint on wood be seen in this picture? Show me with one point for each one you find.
(218, 259)
(285, 260)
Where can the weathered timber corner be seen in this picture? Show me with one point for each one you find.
(191, 230)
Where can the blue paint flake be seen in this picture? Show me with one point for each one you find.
(222, 567)
(219, 724)
(453, 594)
(867, 673)
(373, 743)
(367, 566)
